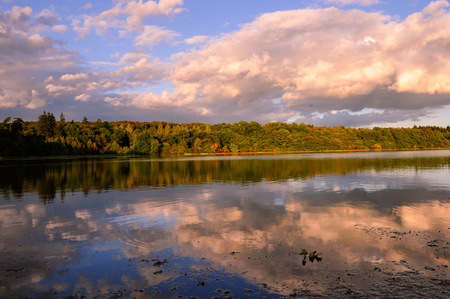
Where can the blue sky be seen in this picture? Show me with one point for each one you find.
(358, 63)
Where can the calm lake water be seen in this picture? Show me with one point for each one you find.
(227, 226)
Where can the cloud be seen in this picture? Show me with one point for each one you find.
(36, 101)
(56, 90)
(48, 17)
(27, 58)
(436, 6)
(87, 6)
(362, 119)
(20, 14)
(282, 66)
(11, 98)
(286, 54)
(127, 16)
(137, 11)
(351, 2)
(198, 39)
(133, 57)
(34, 67)
(83, 97)
(142, 70)
(152, 35)
(60, 28)
(70, 77)
(315, 61)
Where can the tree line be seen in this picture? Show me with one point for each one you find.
(48, 136)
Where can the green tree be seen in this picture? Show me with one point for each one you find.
(46, 124)
(121, 137)
(17, 125)
(6, 123)
(146, 144)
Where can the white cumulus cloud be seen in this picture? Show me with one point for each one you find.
(315, 61)
(83, 97)
(71, 77)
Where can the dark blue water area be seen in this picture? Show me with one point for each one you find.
(99, 268)
(200, 279)
(108, 273)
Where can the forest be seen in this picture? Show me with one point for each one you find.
(50, 137)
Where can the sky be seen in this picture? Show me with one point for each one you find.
(356, 63)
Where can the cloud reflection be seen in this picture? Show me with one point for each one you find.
(359, 221)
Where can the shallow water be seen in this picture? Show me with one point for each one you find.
(227, 226)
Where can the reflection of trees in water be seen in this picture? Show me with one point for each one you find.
(103, 174)
(46, 190)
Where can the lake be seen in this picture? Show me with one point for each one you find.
(336, 225)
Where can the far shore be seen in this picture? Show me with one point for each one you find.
(127, 156)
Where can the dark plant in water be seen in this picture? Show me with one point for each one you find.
(312, 256)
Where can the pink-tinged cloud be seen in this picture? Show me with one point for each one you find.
(48, 17)
(60, 28)
(87, 6)
(83, 97)
(127, 16)
(350, 2)
(285, 65)
(198, 39)
(36, 101)
(320, 60)
(27, 57)
(11, 98)
(152, 35)
(142, 70)
(72, 77)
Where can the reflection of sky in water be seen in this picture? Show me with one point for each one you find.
(245, 235)
(342, 155)
(144, 220)
(371, 181)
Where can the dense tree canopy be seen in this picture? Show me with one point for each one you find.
(50, 137)
(46, 124)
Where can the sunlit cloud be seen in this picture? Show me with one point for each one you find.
(282, 66)
(27, 58)
(11, 98)
(152, 35)
(83, 97)
(349, 2)
(60, 28)
(127, 16)
(70, 77)
(198, 39)
(286, 55)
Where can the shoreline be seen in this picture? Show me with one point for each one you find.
(125, 156)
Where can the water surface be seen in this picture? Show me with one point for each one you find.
(227, 226)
